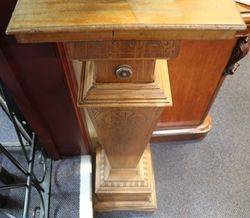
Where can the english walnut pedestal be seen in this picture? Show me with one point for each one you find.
(122, 48)
(124, 99)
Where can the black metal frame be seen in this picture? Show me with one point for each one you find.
(30, 146)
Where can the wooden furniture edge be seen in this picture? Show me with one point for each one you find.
(72, 88)
(126, 35)
(190, 133)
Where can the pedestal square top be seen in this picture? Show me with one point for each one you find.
(58, 20)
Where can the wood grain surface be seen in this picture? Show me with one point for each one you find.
(50, 20)
(195, 77)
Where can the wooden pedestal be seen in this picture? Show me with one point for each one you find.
(124, 116)
(124, 113)
(123, 47)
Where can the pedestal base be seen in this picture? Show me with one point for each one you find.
(124, 189)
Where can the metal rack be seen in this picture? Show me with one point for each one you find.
(32, 150)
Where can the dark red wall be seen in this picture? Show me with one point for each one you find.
(36, 78)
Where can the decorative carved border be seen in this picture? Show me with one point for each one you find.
(126, 184)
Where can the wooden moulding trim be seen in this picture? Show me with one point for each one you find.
(126, 95)
(126, 35)
(128, 49)
(140, 184)
(11, 29)
(203, 128)
(119, 194)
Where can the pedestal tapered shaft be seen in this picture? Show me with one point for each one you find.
(124, 113)
(124, 132)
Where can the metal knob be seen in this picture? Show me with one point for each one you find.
(124, 72)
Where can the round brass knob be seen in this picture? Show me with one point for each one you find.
(124, 72)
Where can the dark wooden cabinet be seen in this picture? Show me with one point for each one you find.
(195, 76)
(195, 86)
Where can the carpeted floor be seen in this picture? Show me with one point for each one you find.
(210, 178)
(65, 187)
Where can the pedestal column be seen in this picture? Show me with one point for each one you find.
(124, 94)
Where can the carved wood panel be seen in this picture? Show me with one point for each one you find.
(124, 132)
(123, 49)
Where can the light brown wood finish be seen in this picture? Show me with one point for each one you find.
(189, 126)
(124, 116)
(122, 49)
(195, 76)
(124, 132)
(120, 94)
(161, 35)
(127, 189)
(61, 20)
(143, 70)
